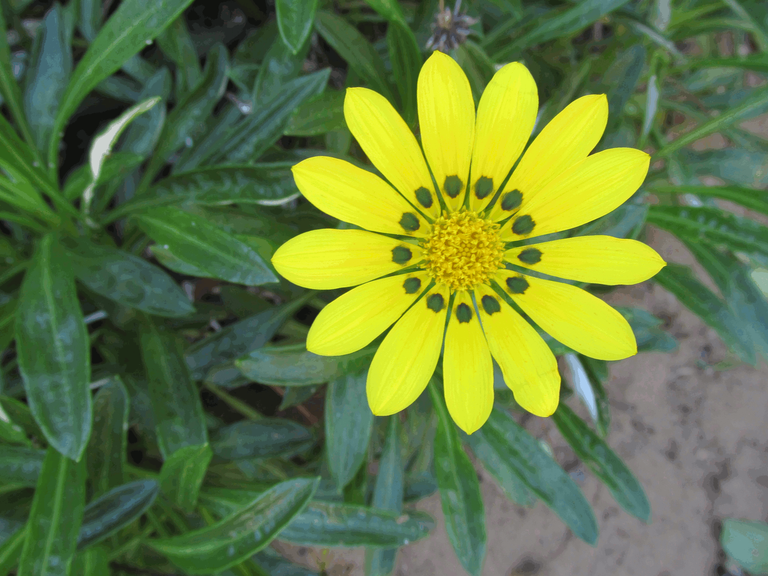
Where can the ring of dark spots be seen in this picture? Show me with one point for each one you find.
(523, 225)
(401, 254)
(410, 222)
(530, 256)
(511, 200)
(463, 313)
(435, 302)
(424, 197)
(412, 285)
(517, 284)
(490, 304)
(453, 186)
(483, 187)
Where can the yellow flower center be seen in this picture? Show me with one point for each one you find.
(463, 250)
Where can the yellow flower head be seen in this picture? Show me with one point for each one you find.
(429, 256)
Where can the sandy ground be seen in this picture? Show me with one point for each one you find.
(693, 434)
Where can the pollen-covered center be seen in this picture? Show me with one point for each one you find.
(463, 250)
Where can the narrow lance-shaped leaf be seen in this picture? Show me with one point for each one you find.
(294, 20)
(264, 438)
(406, 63)
(604, 463)
(182, 475)
(348, 426)
(241, 534)
(177, 44)
(20, 465)
(126, 33)
(459, 491)
(57, 512)
(54, 351)
(9, 88)
(10, 550)
(108, 446)
(176, 405)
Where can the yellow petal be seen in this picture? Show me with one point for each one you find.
(356, 318)
(328, 259)
(467, 367)
(590, 189)
(527, 363)
(566, 140)
(407, 358)
(505, 117)
(356, 196)
(573, 316)
(391, 146)
(593, 259)
(447, 123)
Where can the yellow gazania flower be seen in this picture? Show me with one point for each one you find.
(432, 252)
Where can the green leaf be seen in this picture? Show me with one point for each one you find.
(753, 105)
(114, 510)
(252, 137)
(12, 433)
(128, 280)
(502, 470)
(236, 339)
(275, 565)
(604, 463)
(747, 197)
(387, 495)
(9, 88)
(477, 65)
(19, 465)
(53, 350)
(178, 45)
(355, 49)
(142, 135)
(295, 19)
(91, 562)
(117, 166)
(266, 438)
(348, 426)
(296, 395)
(295, 366)
(406, 61)
(541, 474)
(10, 550)
(390, 9)
(46, 79)
(124, 35)
(279, 64)
(327, 524)
(57, 512)
(108, 446)
(649, 337)
(700, 300)
(182, 475)
(620, 79)
(241, 534)
(713, 225)
(320, 115)
(191, 113)
(176, 406)
(746, 542)
(266, 184)
(89, 18)
(195, 241)
(459, 491)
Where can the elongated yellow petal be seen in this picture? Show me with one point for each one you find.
(467, 367)
(527, 363)
(572, 315)
(356, 196)
(406, 359)
(590, 189)
(391, 146)
(566, 140)
(447, 122)
(356, 318)
(505, 117)
(327, 259)
(593, 259)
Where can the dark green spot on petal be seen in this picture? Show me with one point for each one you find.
(511, 200)
(424, 197)
(401, 254)
(453, 186)
(409, 222)
(463, 313)
(483, 187)
(523, 225)
(435, 302)
(530, 256)
(517, 284)
(412, 285)
(490, 304)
